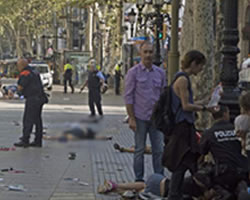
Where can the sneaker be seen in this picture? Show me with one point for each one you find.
(21, 144)
(118, 147)
(107, 187)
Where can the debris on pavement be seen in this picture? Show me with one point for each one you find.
(7, 148)
(72, 156)
(71, 179)
(128, 194)
(7, 169)
(17, 188)
(76, 180)
(16, 123)
(83, 183)
(12, 170)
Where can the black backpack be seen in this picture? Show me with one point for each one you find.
(163, 117)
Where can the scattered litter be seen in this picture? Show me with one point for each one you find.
(83, 183)
(119, 169)
(7, 148)
(72, 156)
(17, 188)
(18, 171)
(46, 157)
(12, 170)
(7, 169)
(71, 179)
(77, 180)
(128, 194)
(16, 123)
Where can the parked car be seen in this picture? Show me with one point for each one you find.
(45, 73)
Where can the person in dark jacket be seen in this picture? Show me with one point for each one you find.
(222, 142)
(94, 83)
(30, 85)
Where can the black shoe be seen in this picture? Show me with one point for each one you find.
(36, 144)
(92, 115)
(21, 144)
(118, 147)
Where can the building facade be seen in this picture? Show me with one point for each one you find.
(244, 29)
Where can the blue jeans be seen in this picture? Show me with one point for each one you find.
(156, 139)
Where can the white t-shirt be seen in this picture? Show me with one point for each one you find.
(246, 64)
(242, 122)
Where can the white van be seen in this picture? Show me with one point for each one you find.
(45, 73)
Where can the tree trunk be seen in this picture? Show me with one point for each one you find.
(187, 39)
(203, 41)
(198, 26)
(19, 52)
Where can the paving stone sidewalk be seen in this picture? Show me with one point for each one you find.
(49, 174)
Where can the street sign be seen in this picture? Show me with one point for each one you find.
(141, 38)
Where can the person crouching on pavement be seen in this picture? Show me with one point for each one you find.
(94, 83)
(30, 85)
(224, 145)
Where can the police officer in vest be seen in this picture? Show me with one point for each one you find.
(225, 147)
(68, 72)
(94, 83)
(30, 85)
(118, 76)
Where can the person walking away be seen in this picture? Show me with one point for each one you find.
(118, 76)
(94, 83)
(182, 149)
(68, 72)
(143, 85)
(30, 85)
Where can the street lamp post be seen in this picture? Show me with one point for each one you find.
(159, 19)
(173, 55)
(131, 18)
(229, 73)
(140, 5)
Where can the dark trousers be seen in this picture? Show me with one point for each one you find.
(32, 116)
(95, 99)
(117, 86)
(176, 182)
(230, 177)
(70, 84)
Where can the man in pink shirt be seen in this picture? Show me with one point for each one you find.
(143, 85)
